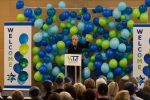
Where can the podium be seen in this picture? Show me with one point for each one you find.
(73, 60)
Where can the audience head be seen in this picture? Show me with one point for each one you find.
(122, 95)
(103, 89)
(104, 77)
(113, 89)
(34, 92)
(147, 82)
(122, 82)
(89, 94)
(146, 88)
(67, 80)
(47, 84)
(65, 96)
(54, 96)
(17, 95)
(129, 86)
(89, 83)
(71, 89)
(100, 81)
(59, 81)
(79, 88)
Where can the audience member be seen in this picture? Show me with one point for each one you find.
(54, 96)
(89, 83)
(1, 93)
(89, 94)
(103, 92)
(122, 95)
(113, 89)
(71, 89)
(17, 95)
(60, 84)
(79, 88)
(35, 93)
(122, 81)
(65, 96)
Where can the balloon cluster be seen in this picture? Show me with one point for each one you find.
(22, 62)
(110, 37)
(146, 69)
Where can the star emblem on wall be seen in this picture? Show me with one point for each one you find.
(11, 77)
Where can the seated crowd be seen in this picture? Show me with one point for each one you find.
(101, 89)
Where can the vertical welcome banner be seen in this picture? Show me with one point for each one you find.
(141, 52)
(17, 55)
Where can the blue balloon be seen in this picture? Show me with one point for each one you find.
(147, 3)
(107, 12)
(93, 47)
(65, 31)
(49, 21)
(62, 17)
(73, 14)
(130, 68)
(47, 59)
(98, 72)
(86, 61)
(128, 10)
(41, 53)
(49, 66)
(19, 4)
(84, 9)
(89, 27)
(38, 23)
(18, 56)
(93, 10)
(96, 21)
(28, 12)
(66, 14)
(20, 82)
(100, 30)
(43, 42)
(142, 8)
(119, 55)
(86, 73)
(110, 76)
(114, 43)
(95, 36)
(61, 4)
(43, 69)
(55, 71)
(86, 54)
(98, 57)
(106, 34)
(97, 64)
(81, 26)
(52, 77)
(105, 68)
(146, 71)
(37, 37)
(147, 58)
(119, 27)
(125, 33)
(32, 20)
(122, 47)
(51, 56)
(87, 16)
(48, 48)
(51, 12)
(37, 11)
(62, 69)
(116, 13)
(118, 71)
(78, 17)
(111, 25)
(122, 6)
(23, 76)
(110, 53)
(17, 68)
(124, 24)
(129, 47)
(104, 57)
(68, 42)
(99, 9)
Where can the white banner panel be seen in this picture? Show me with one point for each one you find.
(17, 54)
(72, 60)
(141, 52)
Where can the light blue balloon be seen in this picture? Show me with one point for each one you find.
(122, 47)
(49, 6)
(116, 13)
(49, 66)
(125, 33)
(53, 30)
(73, 21)
(37, 37)
(38, 23)
(45, 35)
(65, 38)
(104, 57)
(128, 17)
(62, 51)
(81, 26)
(110, 76)
(105, 68)
(111, 25)
(55, 71)
(122, 6)
(114, 43)
(61, 4)
(54, 46)
(51, 56)
(86, 61)
(86, 73)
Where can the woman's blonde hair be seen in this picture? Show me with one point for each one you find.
(122, 95)
(17, 95)
(113, 89)
(79, 88)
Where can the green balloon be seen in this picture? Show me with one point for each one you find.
(113, 63)
(90, 37)
(105, 44)
(36, 59)
(54, 18)
(80, 12)
(69, 25)
(38, 17)
(130, 23)
(112, 34)
(20, 17)
(95, 29)
(91, 66)
(60, 45)
(144, 17)
(62, 59)
(23, 62)
(38, 65)
(62, 25)
(92, 58)
(136, 13)
(61, 75)
(57, 59)
(102, 21)
(130, 57)
(23, 49)
(123, 63)
(35, 50)
(45, 27)
(123, 17)
(38, 76)
(73, 30)
(99, 42)
(23, 76)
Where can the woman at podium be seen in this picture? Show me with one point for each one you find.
(75, 48)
